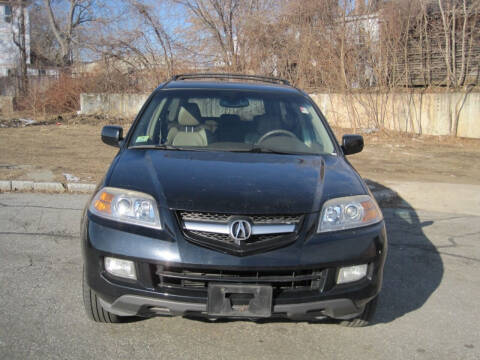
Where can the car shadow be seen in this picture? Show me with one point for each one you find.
(414, 268)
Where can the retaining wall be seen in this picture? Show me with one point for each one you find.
(430, 114)
(126, 105)
(6, 104)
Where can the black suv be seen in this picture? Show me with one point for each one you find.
(230, 197)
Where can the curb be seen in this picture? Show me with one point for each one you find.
(22, 185)
(81, 188)
(45, 187)
(5, 185)
(48, 187)
(382, 196)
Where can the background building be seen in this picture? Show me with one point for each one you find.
(9, 52)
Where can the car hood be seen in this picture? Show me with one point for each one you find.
(232, 182)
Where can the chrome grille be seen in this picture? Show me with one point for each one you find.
(215, 236)
(213, 230)
(224, 218)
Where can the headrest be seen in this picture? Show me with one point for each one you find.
(194, 110)
(211, 125)
(186, 118)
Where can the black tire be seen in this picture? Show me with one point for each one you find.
(365, 318)
(94, 309)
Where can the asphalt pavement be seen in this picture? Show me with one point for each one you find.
(429, 307)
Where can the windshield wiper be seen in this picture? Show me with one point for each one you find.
(261, 149)
(164, 147)
(159, 146)
(254, 149)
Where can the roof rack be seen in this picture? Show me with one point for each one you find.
(268, 79)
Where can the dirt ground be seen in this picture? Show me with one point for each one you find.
(72, 145)
(396, 156)
(55, 146)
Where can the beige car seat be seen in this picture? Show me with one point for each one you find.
(189, 132)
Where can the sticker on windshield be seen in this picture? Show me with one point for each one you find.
(303, 110)
(142, 139)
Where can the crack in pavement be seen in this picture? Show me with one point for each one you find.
(467, 234)
(67, 236)
(39, 206)
(455, 218)
(433, 250)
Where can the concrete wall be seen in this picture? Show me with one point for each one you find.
(125, 105)
(430, 114)
(6, 104)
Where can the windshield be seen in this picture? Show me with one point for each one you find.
(232, 121)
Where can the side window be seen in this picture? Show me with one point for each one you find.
(145, 129)
(283, 111)
(307, 131)
(319, 130)
(173, 110)
(155, 118)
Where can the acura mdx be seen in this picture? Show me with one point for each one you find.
(230, 197)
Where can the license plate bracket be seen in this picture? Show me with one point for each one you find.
(239, 300)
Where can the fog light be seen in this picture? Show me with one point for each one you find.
(121, 268)
(351, 273)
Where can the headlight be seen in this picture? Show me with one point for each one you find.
(349, 212)
(126, 206)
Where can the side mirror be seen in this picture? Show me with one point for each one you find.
(352, 144)
(112, 135)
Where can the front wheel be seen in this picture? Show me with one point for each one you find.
(94, 309)
(364, 318)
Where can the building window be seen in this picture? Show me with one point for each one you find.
(7, 13)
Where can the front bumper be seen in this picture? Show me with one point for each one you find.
(133, 305)
(148, 296)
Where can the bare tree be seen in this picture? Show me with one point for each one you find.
(224, 21)
(217, 17)
(459, 31)
(43, 45)
(135, 44)
(19, 36)
(79, 12)
(150, 21)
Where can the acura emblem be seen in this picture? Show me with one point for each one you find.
(240, 230)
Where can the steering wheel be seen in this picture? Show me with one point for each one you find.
(275, 132)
